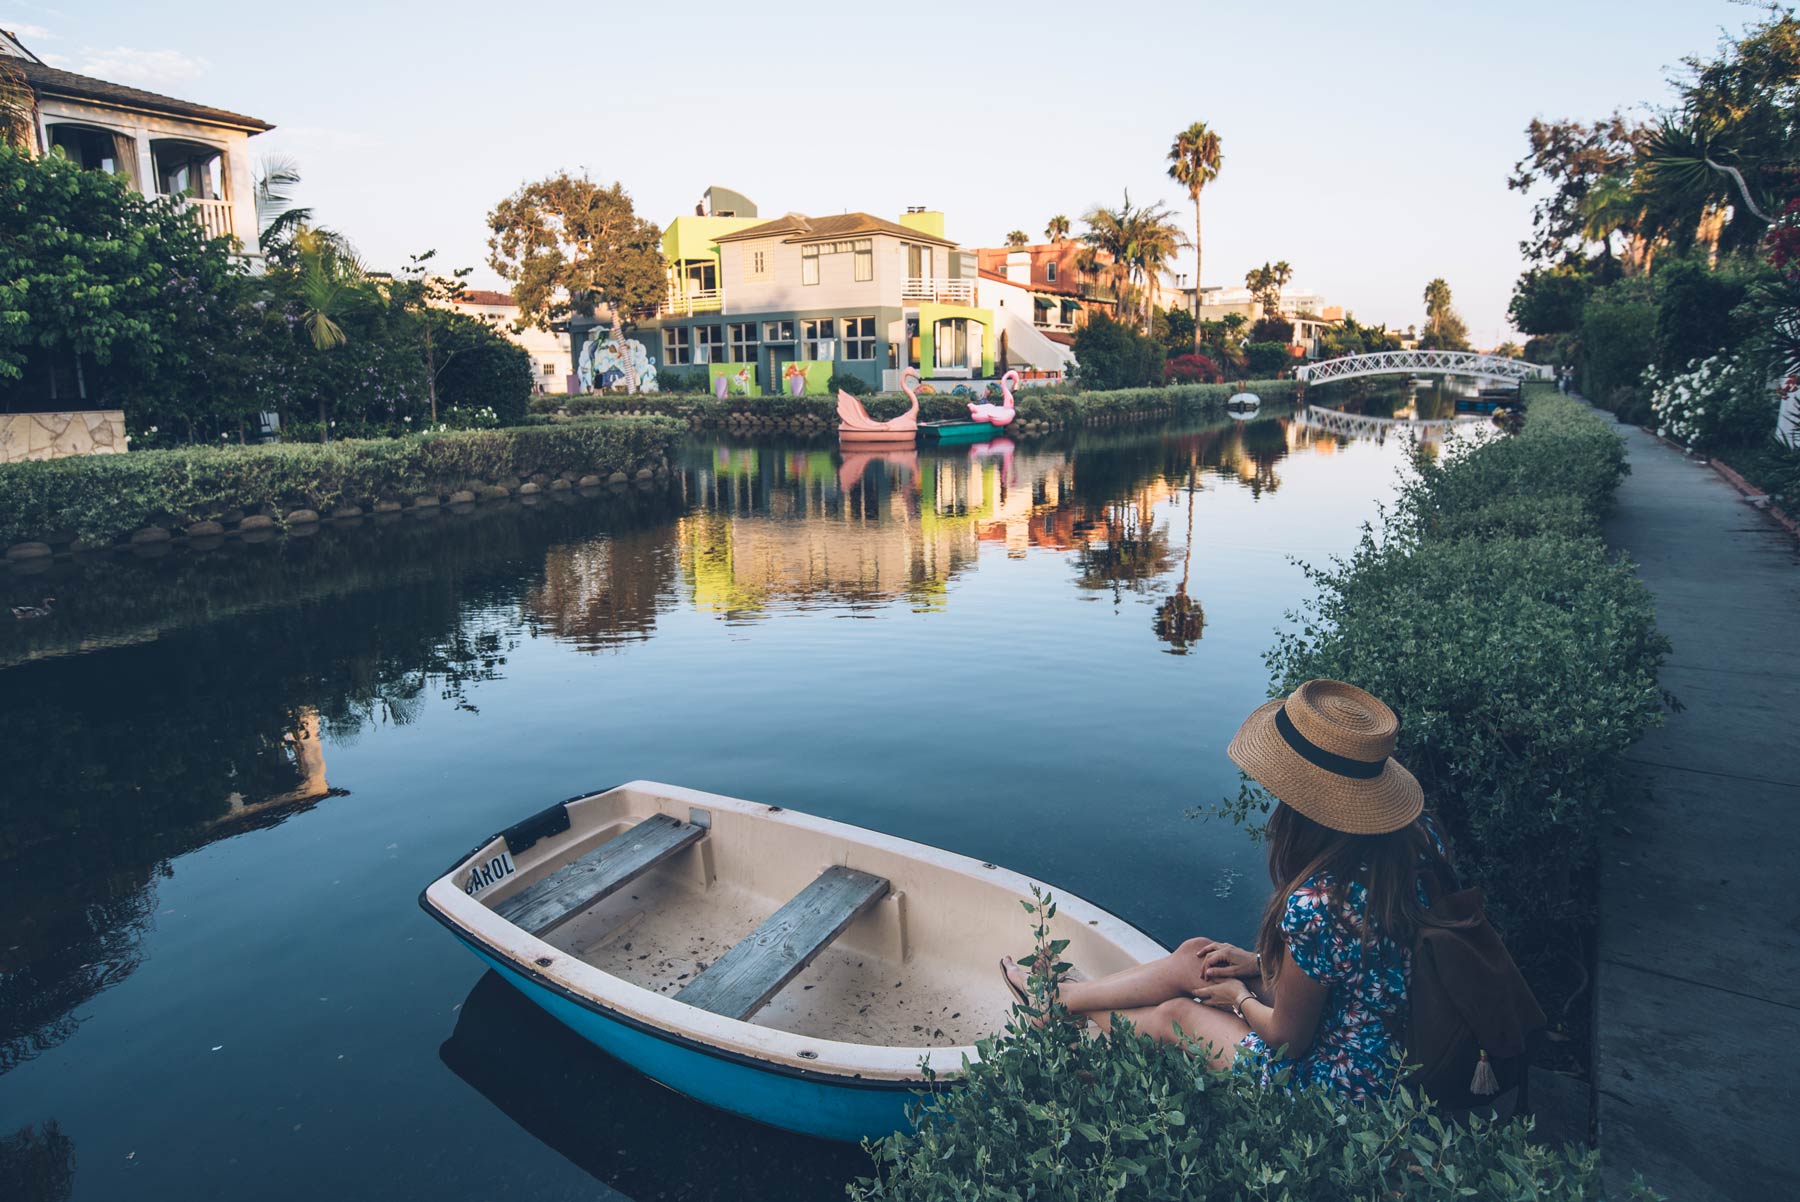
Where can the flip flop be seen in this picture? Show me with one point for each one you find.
(1010, 987)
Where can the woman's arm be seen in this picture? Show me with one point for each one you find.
(1294, 1018)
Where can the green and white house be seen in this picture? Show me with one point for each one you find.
(763, 303)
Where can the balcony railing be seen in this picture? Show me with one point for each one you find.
(214, 216)
(1055, 327)
(696, 300)
(956, 292)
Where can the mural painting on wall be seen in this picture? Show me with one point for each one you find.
(733, 379)
(602, 366)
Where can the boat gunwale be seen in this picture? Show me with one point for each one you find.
(860, 1065)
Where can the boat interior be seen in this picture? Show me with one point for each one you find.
(779, 919)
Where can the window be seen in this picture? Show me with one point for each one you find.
(865, 259)
(778, 331)
(957, 343)
(859, 337)
(759, 263)
(1050, 273)
(918, 261)
(709, 344)
(817, 341)
(186, 169)
(95, 149)
(809, 264)
(677, 346)
(743, 341)
(549, 368)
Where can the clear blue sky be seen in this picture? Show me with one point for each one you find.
(1367, 144)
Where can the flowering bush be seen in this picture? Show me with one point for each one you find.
(1718, 401)
(473, 417)
(1193, 369)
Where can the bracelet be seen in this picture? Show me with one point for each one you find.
(1237, 1008)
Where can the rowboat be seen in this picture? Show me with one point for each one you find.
(784, 967)
(957, 430)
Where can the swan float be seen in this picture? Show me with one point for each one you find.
(855, 424)
(998, 415)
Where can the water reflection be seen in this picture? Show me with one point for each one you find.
(174, 702)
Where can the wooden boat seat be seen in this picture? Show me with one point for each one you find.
(543, 906)
(741, 982)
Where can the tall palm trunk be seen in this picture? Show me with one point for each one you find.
(1196, 271)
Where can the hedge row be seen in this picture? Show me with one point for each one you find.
(100, 498)
(1057, 406)
(1522, 659)
(1520, 655)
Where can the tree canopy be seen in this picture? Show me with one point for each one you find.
(570, 245)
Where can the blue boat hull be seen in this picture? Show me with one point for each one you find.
(812, 1104)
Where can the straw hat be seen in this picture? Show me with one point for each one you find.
(1327, 750)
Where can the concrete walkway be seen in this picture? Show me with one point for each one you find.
(1698, 994)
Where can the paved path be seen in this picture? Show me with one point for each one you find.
(1699, 978)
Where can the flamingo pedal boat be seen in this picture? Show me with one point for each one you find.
(784, 967)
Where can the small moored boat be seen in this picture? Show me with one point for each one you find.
(957, 430)
(784, 967)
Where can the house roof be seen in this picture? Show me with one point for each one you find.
(802, 228)
(54, 81)
(483, 296)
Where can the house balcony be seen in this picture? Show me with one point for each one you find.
(680, 303)
(214, 216)
(953, 292)
(1055, 327)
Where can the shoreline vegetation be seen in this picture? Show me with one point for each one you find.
(150, 496)
(145, 497)
(1522, 658)
(1040, 410)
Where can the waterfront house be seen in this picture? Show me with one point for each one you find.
(1306, 311)
(762, 303)
(194, 154)
(1067, 281)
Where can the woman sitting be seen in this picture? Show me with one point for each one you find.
(1325, 992)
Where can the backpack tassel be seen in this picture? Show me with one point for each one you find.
(1484, 1083)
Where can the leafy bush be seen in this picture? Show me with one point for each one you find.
(847, 381)
(1271, 329)
(1040, 1116)
(1112, 355)
(1693, 312)
(485, 371)
(1618, 338)
(1193, 369)
(1521, 657)
(102, 497)
(1718, 401)
(1267, 358)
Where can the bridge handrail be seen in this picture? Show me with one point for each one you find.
(1422, 362)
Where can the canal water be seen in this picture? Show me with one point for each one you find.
(227, 773)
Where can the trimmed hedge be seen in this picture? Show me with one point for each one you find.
(99, 498)
(1057, 406)
(1520, 655)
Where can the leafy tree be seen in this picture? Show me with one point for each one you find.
(1510, 350)
(1265, 284)
(18, 122)
(1140, 242)
(1113, 355)
(1548, 300)
(1272, 329)
(1177, 330)
(1018, 238)
(1194, 162)
(1267, 359)
(1694, 312)
(1571, 159)
(479, 367)
(1057, 229)
(570, 245)
(424, 301)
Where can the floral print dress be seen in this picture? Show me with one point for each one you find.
(1359, 1046)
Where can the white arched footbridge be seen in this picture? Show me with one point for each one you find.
(1357, 425)
(1421, 363)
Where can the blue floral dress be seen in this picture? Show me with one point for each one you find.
(1358, 1047)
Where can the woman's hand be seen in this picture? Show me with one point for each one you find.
(1226, 994)
(1223, 960)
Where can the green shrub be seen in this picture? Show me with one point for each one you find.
(1521, 657)
(847, 381)
(1043, 1117)
(1113, 355)
(485, 371)
(102, 497)
(1618, 338)
(1267, 358)
(1693, 312)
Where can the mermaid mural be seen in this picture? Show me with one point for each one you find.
(614, 360)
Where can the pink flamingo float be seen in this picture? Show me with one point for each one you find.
(855, 424)
(998, 415)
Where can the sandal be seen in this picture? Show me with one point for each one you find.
(1006, 976)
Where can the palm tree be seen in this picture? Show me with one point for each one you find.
(18, 106)
(1057, 229)
(1194, 162)
(1437, 304)
(330, 285)
(279, 217)
(1108, 242)
(1017, 238)
(1140, 242)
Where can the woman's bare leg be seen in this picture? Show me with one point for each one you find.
(1175, 975)
(1182, 1019)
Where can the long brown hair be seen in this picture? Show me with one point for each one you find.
(1386, 865)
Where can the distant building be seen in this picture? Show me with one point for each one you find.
(769, 305)
(549, 349)
(192, 153)
(1065, 291)
(1307, 311)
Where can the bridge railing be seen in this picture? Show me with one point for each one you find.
(1421, 363)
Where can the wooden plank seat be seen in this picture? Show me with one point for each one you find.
(741, 982)
(544, 905)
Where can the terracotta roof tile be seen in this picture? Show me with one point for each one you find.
(481, 296)
(54, 81)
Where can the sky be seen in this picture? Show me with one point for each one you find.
(1367, 144)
